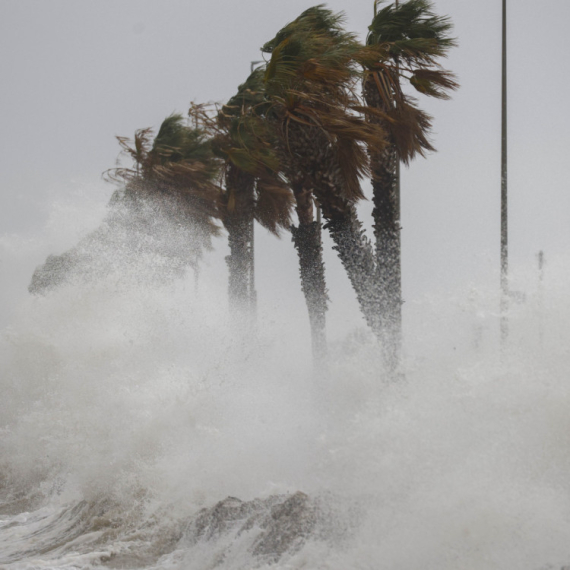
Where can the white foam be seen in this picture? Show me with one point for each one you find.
(145, 395)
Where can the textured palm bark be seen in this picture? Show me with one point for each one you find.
(386, 215)
(239, 224)
(307, 241)
(357, 256)
(309, 151)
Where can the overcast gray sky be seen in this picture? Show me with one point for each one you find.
(75, 73)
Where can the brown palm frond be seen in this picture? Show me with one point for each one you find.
(138, 148)
(434, 82)
(406, 125)
(176, 170)
(119, 175)
(274, 203)
(409, 128)
(352, 161)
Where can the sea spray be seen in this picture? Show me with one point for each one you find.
(128, 406)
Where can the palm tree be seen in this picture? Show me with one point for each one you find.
(177, 173)
(307, 234)
(309, 82)
(248, 145)
(172, 177)
(404, 43)
(253, 189)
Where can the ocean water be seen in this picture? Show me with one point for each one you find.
(129, 404)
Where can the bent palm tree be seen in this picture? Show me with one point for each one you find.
(166, 208)
(256, 132)
(177, 174)
(248, 144)
(254, 191)
(403, 43)
(310, 82)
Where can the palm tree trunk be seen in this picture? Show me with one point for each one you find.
(307, 241)
(309, 151)
(386, 215)
(357, 257)
(239, 223)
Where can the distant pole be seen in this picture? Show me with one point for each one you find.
(504, 204)
(541, 298)
(252, 291)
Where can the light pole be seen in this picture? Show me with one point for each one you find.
(504, 203)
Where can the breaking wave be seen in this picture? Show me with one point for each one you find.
(141, 429)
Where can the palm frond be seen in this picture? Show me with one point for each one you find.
(409, 22)
(178, 168)
(403, 44)
(434, 82)
(408, 39)
(316, 19)
(273, 204)
(311, 82)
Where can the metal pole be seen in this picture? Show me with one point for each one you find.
(541, 299)
(504, 203)
(252, 291)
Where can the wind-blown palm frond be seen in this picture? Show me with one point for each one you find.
(273, 204)
(176, 169)
(244, 141)
(411, 30)
(310, 81)
(404, 43)
(317, 20)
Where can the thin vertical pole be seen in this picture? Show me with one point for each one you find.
(541, 298)
(504, 203)
(252, 291)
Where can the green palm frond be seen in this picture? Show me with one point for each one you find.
(306, 47)
(170, 138)
(178, 166)
(250, 94)
(316, 20)
(243, 140)
(412, 26)
(311, 82)
(403, 44)
(407, 40)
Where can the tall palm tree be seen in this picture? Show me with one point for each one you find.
(248, 145)
(310, 84)
(253, 189)
(403, 44)
(258, 132)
